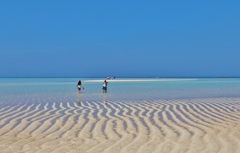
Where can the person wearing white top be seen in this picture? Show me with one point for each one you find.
(104, 88)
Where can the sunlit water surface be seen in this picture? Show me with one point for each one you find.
(49, 90)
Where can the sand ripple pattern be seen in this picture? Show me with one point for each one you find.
(166, 126)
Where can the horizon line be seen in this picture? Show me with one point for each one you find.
(139, 77)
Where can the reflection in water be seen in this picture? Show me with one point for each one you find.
(79, 99)
(105, 100)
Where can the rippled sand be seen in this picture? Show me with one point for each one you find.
(177, 126)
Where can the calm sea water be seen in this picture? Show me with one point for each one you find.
(48, 90)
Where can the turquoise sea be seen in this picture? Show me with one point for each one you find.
(48, 90)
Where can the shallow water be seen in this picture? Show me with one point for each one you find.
(31, 90)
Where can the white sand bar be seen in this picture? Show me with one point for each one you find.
(139, 80)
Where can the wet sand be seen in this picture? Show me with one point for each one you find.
(166, 126)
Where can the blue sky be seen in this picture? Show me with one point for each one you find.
(119, 38)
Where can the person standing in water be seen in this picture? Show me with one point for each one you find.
(79, 86)
(104, 88)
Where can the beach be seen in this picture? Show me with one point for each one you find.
(165, 116)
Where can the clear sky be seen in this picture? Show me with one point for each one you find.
(121, 38)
